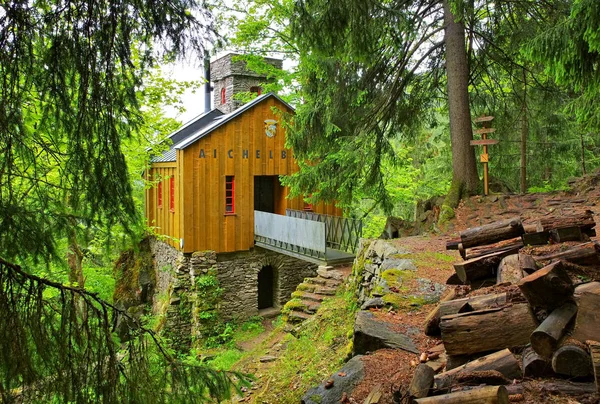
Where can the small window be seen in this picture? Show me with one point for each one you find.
(172, 194)
(229, 195)
(160, 195)
(255, 89)
(223, 99)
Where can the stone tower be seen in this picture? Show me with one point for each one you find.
(231, 77)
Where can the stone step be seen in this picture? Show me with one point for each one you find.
(306, 286)
(310, 306)
(332, 283)
(323, 290)
(298, 316)
(309, 296)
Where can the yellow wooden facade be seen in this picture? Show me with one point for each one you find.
(240, 148)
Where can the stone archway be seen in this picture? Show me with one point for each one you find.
(266, 287)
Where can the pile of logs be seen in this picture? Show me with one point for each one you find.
(540, 319)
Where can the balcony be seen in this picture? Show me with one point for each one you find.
(321, 239)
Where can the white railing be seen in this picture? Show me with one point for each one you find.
(301, 236)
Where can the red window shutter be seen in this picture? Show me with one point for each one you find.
(229, 195)
(172, 194)
(160, 194)
(223, 96)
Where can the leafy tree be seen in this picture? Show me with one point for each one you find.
(70, 77)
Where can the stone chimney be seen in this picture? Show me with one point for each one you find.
(231, 77)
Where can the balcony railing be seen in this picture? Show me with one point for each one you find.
(341, 233)
(299, 236)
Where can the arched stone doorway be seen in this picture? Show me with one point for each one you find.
(266, 287)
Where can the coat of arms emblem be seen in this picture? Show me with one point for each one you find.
(270, 127)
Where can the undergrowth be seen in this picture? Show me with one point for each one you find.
(319, 349)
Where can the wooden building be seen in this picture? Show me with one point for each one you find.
(220, 169)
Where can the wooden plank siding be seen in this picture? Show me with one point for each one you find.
(163, 219)
(229, 150)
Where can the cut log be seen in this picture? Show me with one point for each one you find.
(514, 267)
(537, 238)
(583, 220)
(587, 324)
(566, 387)
(535, 365)
(580, 272)
(594, 348)
(421, 382)
(572, 359)
(432, 322)
(545, 338)
(481, 395)
(568, 234)
(454, 280)
(514, 245)
(502, 361)
(549, 287)
(583, 254)
(487, 330)
(452, 244)
(479, 377)
(492, 233)
(469, 304)
(481, 267)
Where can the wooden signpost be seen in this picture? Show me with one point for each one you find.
(486, 123)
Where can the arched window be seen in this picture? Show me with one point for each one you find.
(256, 89)
(223, 99)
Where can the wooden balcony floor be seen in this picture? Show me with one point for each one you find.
(332, 257)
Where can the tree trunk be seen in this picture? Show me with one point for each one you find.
(482, 395)
(535, 365)
(492, 233)
(421, 382)
(502, 361)
(583, 254)
(587, 324)
(487, 330)
(469, 304)
(464, 170)
(549, 287)
(524, 134)
(545, 339)
(595, 353)
(514, 267)
(572, 359)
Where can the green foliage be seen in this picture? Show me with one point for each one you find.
(318, 350)
(71, 74)
(44, 336)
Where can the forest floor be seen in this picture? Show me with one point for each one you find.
(388, 370)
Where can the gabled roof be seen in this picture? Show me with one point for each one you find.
(218, 122)
(189, 128)
(203, 124)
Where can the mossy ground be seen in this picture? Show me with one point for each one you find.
(304, 360)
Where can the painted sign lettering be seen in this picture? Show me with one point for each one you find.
(245, 154)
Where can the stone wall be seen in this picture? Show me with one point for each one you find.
(236, 78)
(237, 274)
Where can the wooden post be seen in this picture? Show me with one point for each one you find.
(486, 123)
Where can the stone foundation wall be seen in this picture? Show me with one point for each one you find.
(237, 275)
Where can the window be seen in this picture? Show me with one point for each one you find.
(223, 99)
(229, 195)
(255, 89)
(159, 191)
(172, 194)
